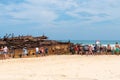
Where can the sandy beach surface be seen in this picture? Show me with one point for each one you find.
(61, 67)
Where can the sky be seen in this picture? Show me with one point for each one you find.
(61, 19)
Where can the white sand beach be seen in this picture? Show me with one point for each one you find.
(62, 67)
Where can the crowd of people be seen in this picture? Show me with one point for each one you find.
(38, 51)
(94, 49)
(10, 52)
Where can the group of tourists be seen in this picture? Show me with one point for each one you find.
(94, 49)
(10, 52)
(38, 51)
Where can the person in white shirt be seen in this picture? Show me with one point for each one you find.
(97, 42)
(5, 52)
(37, 51)
(25, 51)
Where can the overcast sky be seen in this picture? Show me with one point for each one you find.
(62, 19)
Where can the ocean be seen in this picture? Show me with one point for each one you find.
(88, 42)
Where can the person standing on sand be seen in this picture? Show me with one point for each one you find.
(37, 51)
(113, 50)
(98, 46)
(80, 49)
(117, 50)
(97, 43)
(46, 50)
(108, 49)
(90, 52)
(71, 49)
(86, 49)
(1, 50)
(5, 52)
(43, 51)
(12, 51)
(25, 51)
(76, 49)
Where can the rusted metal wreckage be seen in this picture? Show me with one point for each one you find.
(19, 42)
(28, 41)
